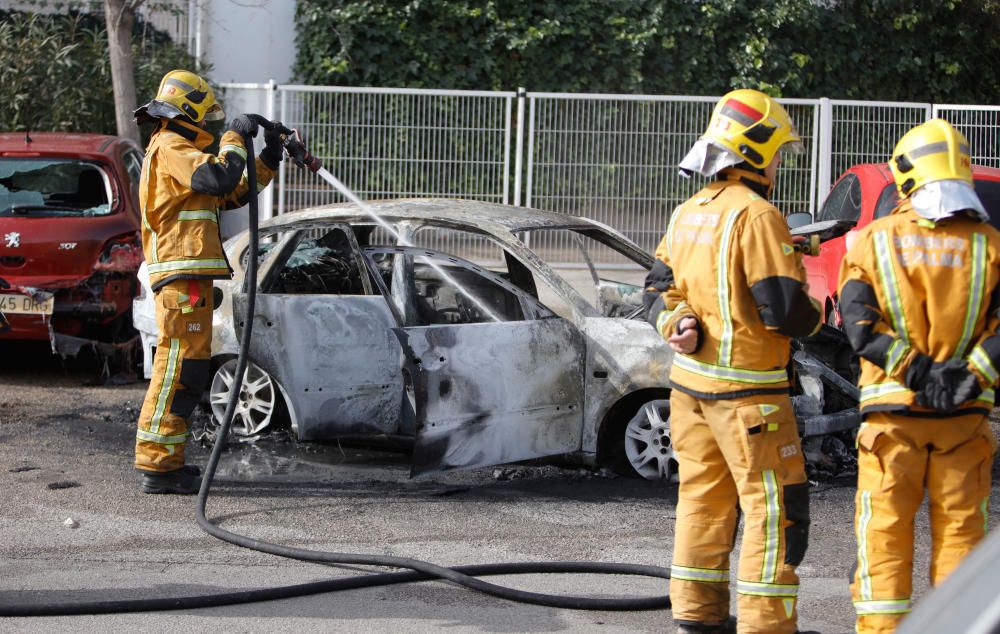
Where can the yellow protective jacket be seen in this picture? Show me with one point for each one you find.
(728, 260)
(181, 190)
(909, 287)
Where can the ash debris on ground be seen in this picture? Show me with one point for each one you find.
(829, 458)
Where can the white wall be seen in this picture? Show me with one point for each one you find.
(246, 40)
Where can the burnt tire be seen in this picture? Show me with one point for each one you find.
(261, 405)
(639, 446)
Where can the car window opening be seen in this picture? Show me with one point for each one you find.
(52, 187)
(323, 264)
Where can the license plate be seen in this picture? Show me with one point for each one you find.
(24, 305)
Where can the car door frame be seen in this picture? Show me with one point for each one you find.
(327, 402)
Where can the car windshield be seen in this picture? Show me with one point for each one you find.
(607, 272)
(52, 187)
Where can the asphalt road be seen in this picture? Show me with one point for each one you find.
(65, 453)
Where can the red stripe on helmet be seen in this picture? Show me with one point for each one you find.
(741, 107)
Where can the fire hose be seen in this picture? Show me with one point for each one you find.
(414, 569)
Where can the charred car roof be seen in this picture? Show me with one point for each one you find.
(461, 213)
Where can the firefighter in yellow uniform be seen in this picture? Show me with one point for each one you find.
(920, 299)
(181, 191)
(734, 293)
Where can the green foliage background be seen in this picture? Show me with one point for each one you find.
(942, 51)
(57, 75)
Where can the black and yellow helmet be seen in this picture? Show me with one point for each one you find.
(930, 152)
(182, 94)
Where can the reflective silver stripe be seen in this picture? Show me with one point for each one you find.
(198, 214)
(166, 387)
(665, 315)
(891, 606)
(176, 265)
(981, 361)
(767, 589)
(152, 234)
(661, 321)
(988, 396)
(737, 375)
(670, 229)
(976, 292)
(937, 147)
(706, 575)
(722, 286)
(897, 351)
(233, 148)
(178, 439)
(864, 517)
(878, 390)
(885, 256)
(769, 569)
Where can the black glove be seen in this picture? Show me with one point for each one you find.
(273, 150)
(967, 387)
(244, 126)
(946, 385)
(917, 373)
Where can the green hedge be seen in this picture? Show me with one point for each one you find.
(943, 51)
(57, 74)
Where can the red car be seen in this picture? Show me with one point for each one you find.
(69, 237)
(863, 193)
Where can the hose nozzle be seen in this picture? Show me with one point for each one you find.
(292, 140)
(296, 149)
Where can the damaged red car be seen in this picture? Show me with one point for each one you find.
(69, 238)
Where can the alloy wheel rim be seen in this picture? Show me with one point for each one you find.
(648, 446)
(258, 396)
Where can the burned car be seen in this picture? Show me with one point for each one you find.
(69, 238)
(491, 357)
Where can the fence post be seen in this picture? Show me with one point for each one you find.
(267, 209)
(531, 149)
(281, 165)
(519, 144)
(825, 159)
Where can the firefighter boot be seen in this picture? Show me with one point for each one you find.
(184, 481)
(729, 627)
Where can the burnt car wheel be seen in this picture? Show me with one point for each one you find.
(647, 441)
(260, 405)
(640, 446)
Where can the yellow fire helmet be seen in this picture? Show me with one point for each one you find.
(753, 125)
(932, 151)
(182, 94)
(933, 168)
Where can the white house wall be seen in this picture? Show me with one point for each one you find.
(246, 40)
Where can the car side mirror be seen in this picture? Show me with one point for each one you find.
(798, 219)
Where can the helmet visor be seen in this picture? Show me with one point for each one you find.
(215, 113)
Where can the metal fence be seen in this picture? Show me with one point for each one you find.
(609, 157)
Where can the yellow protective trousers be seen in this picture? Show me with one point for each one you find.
(738, 454)
(899, 457)
(180, 373)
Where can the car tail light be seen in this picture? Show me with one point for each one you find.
(121, 254)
